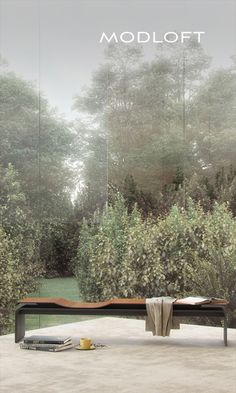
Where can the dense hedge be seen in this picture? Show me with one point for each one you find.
(187, 252)
(17, 279)
(19, 248)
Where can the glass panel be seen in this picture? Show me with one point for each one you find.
(73, 150)
(86, 115)
(19, 147)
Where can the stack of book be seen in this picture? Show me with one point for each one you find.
(47, 343)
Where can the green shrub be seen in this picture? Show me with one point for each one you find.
(175, 240)
(18, 246)
(145, 260)
(216, 255)
(189, 252)
(102, 267)
(16, 279)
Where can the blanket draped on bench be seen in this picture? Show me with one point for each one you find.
(159, 318)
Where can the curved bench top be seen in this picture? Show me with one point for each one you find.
(76, 304)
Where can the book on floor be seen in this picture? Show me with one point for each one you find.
(47, 345)
(48, 348)
(47, 340)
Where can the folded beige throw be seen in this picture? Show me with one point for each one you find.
(159, 318)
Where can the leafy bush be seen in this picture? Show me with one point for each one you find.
(16, 217)
(216, 255)
(19, 249)
(58, 245)
(102, 267)
(16, 279)
(189, 252)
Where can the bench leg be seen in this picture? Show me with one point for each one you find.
(225, 331)
(19, 326)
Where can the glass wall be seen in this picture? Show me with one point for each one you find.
(85, 116)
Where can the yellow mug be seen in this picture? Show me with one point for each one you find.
(85, 343)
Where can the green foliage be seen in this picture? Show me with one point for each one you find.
(216, 255)
(139, 106)
(20, 265)
(59, 242)
(16, 217)
(39, 144)
(145, 260)
(214, 115)
(33, 135)
(187, 252)
(145, 201)
(102, 266)
(10, 285)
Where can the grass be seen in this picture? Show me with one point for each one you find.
(55, 287)
(58, 287)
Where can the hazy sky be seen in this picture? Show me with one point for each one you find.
(55, 43)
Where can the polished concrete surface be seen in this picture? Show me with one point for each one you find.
(192, 360)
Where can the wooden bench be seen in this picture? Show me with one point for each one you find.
(115, 307)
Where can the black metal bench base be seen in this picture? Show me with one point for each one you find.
(209, 311)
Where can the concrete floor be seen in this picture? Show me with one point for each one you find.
(192, 360)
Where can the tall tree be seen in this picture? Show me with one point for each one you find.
(215, 118)
(38, 143)
(139, 105)
(40, 146)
